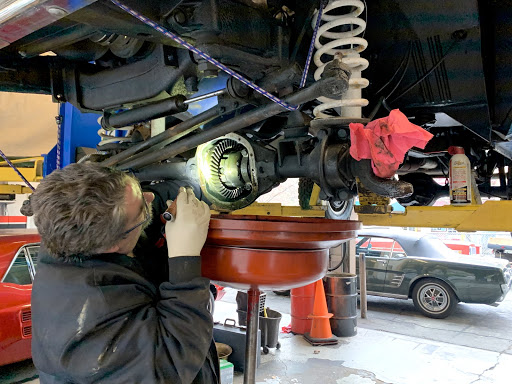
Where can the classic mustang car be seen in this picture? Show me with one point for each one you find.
(18, 261)
(406, 265)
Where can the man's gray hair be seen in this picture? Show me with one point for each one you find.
(80, 210)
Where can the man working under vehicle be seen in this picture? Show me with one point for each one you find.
(97, 317)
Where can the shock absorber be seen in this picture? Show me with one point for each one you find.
(342, 29)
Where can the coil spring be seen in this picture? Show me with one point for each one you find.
(350, 46)
(109, 136)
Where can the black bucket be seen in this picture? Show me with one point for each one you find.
(269, 327)
(270, 330)
(341, 297)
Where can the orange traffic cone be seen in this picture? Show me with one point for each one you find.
(320, 328)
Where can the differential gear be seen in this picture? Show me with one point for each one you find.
(227, 172)
(226, 169)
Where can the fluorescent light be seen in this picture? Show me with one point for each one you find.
(12, 8)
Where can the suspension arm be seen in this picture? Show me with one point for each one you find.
(332, 87)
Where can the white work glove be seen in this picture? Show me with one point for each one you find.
(186, 235)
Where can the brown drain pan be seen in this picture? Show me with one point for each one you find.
(271, 252)
(279, 232)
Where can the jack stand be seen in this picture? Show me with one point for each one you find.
(252, 348)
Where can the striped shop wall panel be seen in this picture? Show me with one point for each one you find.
(9, 222)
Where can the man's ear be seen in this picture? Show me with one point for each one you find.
(149, 196)
(113, 249)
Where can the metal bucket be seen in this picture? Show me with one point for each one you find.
(223, 350)
(341, 296)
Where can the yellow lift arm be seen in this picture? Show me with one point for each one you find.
(31, 168)
(489, 216)
(276, 209)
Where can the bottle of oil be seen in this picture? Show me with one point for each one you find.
(460, 177)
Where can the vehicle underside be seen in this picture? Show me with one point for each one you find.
(444, 64)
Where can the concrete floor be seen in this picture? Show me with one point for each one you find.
(394, 344)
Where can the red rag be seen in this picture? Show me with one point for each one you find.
(286, 329)
(386, 141)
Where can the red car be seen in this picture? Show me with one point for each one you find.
(18, 260)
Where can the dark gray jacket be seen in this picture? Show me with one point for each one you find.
(102, 321)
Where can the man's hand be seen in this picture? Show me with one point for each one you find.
(186, 235)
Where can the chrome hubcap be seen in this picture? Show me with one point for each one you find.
(433, 298)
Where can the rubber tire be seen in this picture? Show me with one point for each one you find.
(342, 213)
(443, 288)
(305, 190)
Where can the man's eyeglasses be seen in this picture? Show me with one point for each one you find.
(147, 218)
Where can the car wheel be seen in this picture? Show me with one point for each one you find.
(434, 298)
(305, 190)
(339, 210)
